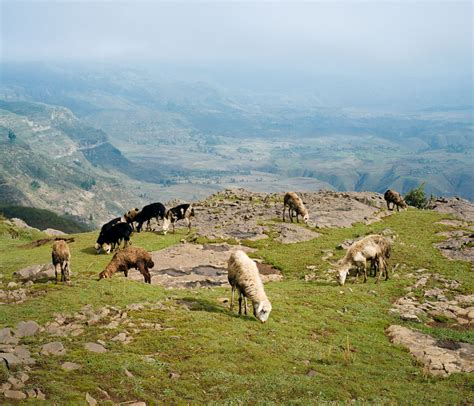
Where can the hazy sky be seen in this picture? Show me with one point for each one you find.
(403, 39)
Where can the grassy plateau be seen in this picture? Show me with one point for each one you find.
(322, 344)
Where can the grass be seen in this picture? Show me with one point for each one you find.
(322, 343)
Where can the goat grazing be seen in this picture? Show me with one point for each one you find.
(181, 212)
(154, 210)
(61, 257)
(130, 215)
(396, 199)
(374, 248)
(114, 235)
(130, 257)
(243, 275)
(295, 205)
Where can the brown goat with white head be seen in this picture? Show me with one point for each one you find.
(61, 257)
(371, 249)
(295, 205)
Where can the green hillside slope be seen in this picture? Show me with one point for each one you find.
(323, 343)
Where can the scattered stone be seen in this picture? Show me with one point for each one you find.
(52, 232)
(311, 372)
(40, 395)
(128, 373)
(27, 328)
(435, 356)
(14, 394)
(174, 375)
(137, 404)
(54, 348)
(90, 400)
(7, 336)
(36, 272)
(31, 393)
(12, 285)
(94, 347)
(11, 359)
(70, 366)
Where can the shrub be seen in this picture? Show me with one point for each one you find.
(416, 197)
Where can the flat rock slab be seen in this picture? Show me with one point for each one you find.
(238, 213)
(94, 347)
(7, 336)
(70, 366)
(291, 233)
(461, 208)
(35, 272)
(195, 265)
(27, 328)
(440, 358)
(54, 348)
(14, 394)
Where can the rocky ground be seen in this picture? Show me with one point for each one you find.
(242, 215)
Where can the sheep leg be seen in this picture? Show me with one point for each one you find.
(173, 227)
(290, 213)
(56, 272)
(240, 303)
(232, 299)
(297, 220)
(188, 223)
(245, 305)
(365, 273)
(284, 209)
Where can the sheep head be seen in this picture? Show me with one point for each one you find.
(97, 247)
(108, 248)
(306, 218)
(262, 310)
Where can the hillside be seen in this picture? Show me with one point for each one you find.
(122, 341)
(209, 137)
(55, 161)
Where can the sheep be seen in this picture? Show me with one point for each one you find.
(114, 235)
(61, 257)
(373, 248)
(243, 275)
(148, 212)
(396, 198)
(295, 204)
(183, 211)
(130, 257)
(130, 215)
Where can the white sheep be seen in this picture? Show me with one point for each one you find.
(295, 205)
(243, 275)
(369, 250)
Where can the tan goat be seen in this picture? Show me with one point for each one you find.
(61, 257)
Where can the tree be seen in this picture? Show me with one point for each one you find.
(416, 197)
(11, 135)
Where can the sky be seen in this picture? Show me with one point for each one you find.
(402, 41)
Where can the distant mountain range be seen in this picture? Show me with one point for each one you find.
(94, 142)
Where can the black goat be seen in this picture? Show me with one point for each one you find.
(114, 236)
(154, 210)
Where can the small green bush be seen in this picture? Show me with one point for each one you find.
(416, 197)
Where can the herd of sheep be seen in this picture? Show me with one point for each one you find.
(369, 253)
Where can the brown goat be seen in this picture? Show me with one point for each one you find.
(395, 198)
(295, 205)
(130, 257)
(61, 257)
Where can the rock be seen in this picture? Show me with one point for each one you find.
(23, 377)
(12, 285)
(7, 337)
(90, 400)
(40, 395)
(52, 232)
(438, 358)
(26, 328)
(16, 383)
(128, 373)
(94, 347)
(19, 223)
(11, 359)
(5, 386)
(174, 375)
(31, 393)
(137, 404)
(36, 272)
(27, 284)
(311, 372)
(121, 337)
(54, 348)
(14, 394)
(70, 366)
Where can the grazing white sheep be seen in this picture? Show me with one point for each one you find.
(295, 205)
(371, 249)
(243, 275)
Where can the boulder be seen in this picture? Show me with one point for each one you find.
(26, 328)
(35, 272)
(54, 348)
